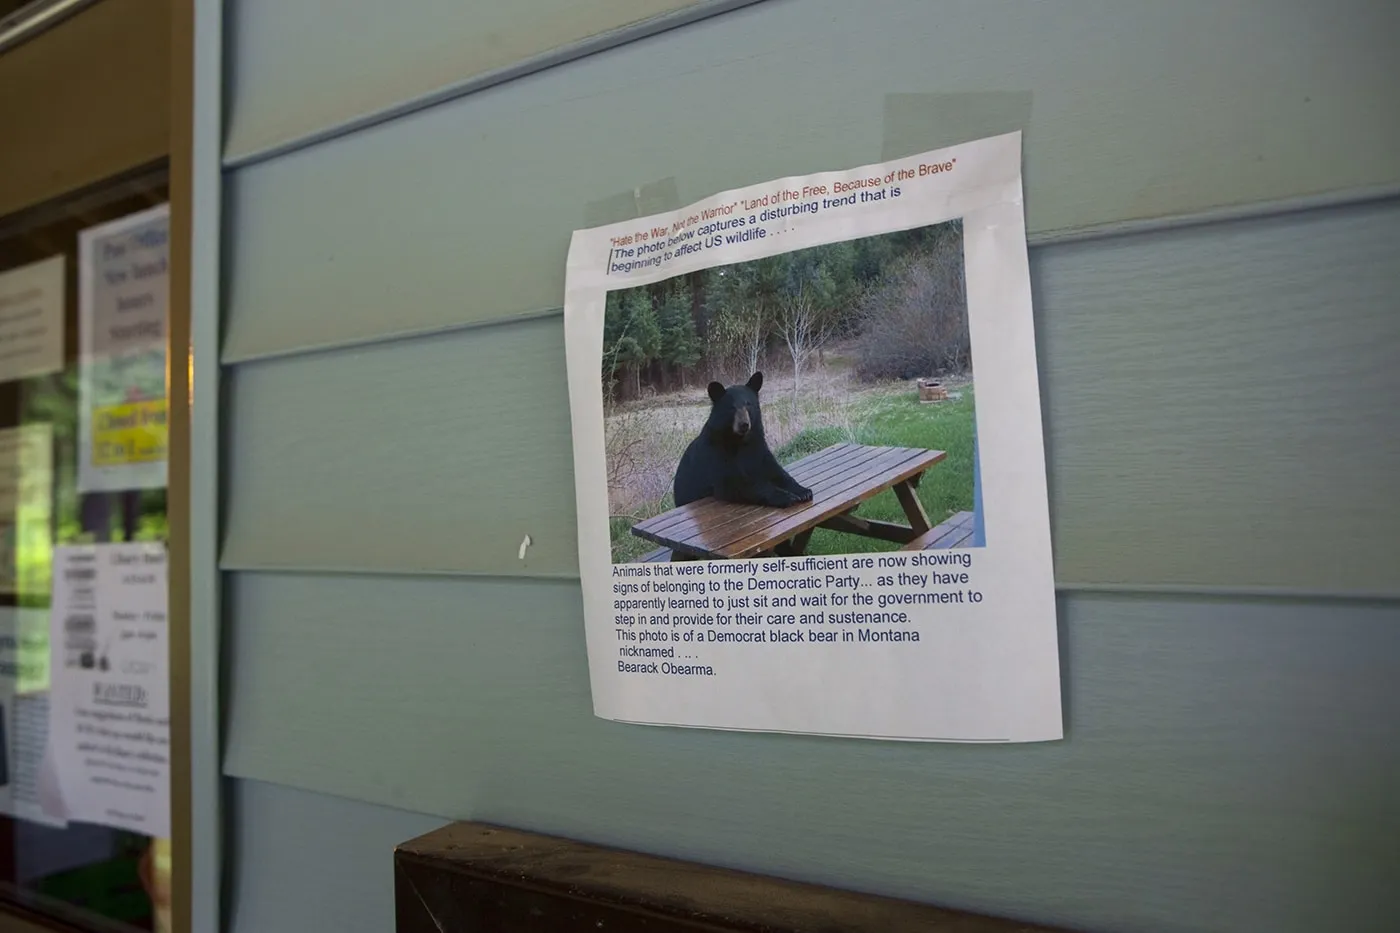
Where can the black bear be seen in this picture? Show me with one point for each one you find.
(730, 459)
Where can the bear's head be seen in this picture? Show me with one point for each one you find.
(735, 417)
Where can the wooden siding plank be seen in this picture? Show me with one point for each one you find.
(298, 68)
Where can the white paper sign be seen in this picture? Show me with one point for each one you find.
(776, 385)
(24, 642)
(109, 721)
(123, 291)
(31, 319)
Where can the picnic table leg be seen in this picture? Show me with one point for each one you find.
(795, 546)
(918, 518)
(851, 524)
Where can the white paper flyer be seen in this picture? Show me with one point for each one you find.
(123, 292)
(31, 319)
(808, 458)
(24, 711)
(109, 718)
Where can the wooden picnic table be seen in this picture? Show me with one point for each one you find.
(841, 477)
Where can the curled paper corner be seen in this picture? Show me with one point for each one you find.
(524, 546)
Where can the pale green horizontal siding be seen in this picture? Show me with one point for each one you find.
(1130, 110)
(1228, 766)
(424, 456)
(300, 67)
(308, 862)
(1221, 412)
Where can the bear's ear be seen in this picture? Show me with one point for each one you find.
(755, 381)
(716, 391)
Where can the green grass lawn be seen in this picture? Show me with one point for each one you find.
(626, 546)
(894, 420)
(901, 421)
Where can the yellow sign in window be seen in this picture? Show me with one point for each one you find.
(134, 432)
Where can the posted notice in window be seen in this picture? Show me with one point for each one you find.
(808, 457)
(24, 711)
(109, 706)
(123, 292)
(31, 319)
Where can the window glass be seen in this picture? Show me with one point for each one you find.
(94, 876)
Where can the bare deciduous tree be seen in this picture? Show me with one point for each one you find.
(747, 333)
(804, 322)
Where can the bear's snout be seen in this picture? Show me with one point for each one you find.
(742, 424)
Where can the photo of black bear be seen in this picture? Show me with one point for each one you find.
(730, 459)
(861, 353)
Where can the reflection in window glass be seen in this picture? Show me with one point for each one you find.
(96, 877)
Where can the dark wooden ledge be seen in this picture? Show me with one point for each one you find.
(478, 878)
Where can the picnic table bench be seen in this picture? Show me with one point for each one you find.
(841, 477)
